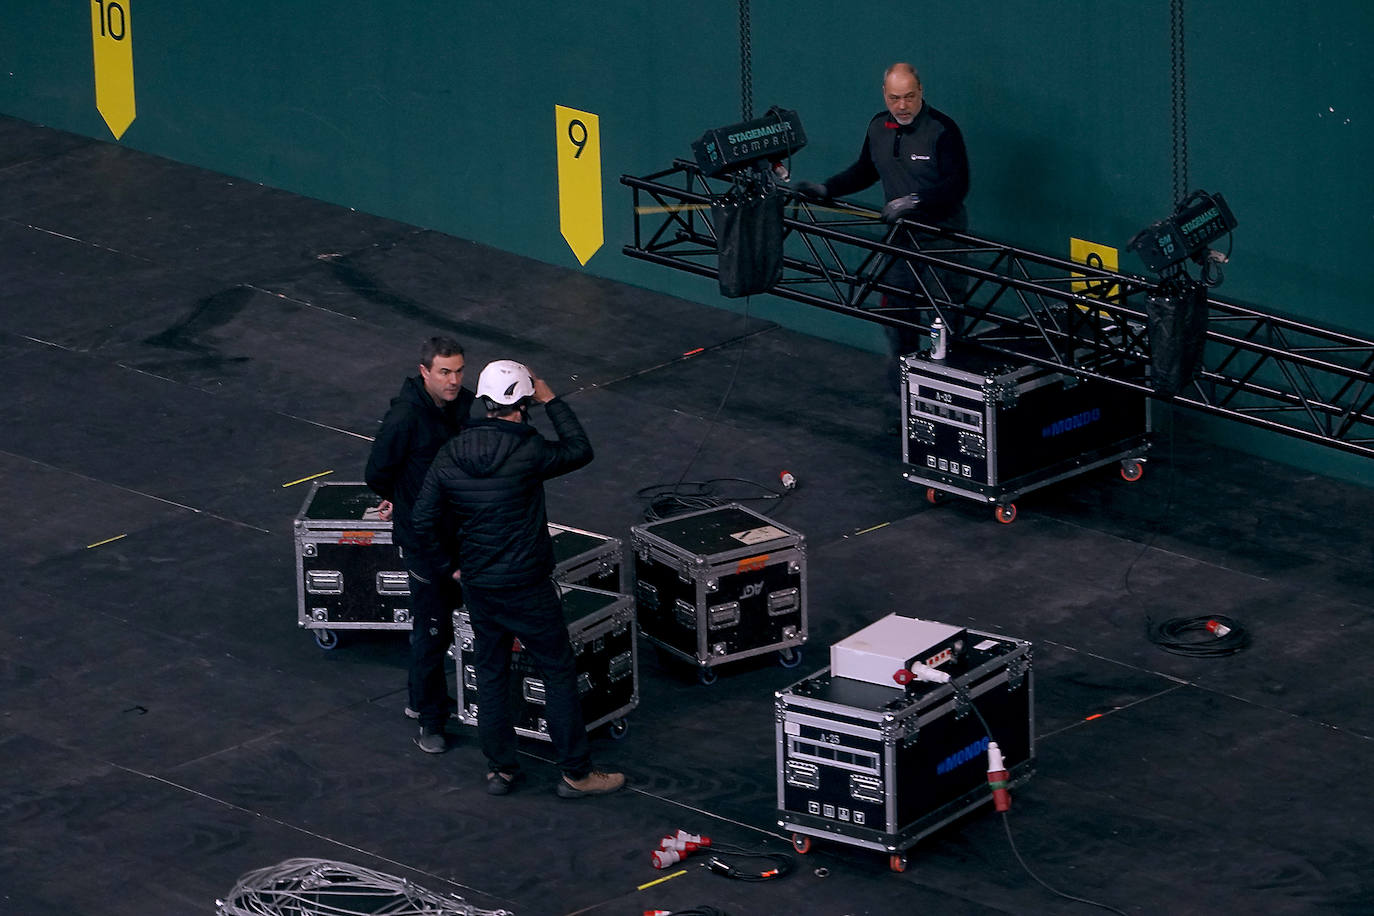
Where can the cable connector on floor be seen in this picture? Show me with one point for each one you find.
(680, 845)
(662, 858)
(682, 836)
(1217, 628)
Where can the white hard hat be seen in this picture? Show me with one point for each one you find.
(505, 382)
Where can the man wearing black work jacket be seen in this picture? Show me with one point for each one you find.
(481, 517)
(430, 409)
(918, 154)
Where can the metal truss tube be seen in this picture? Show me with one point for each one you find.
(1260, 369)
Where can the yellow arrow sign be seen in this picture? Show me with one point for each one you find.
(112, 35)
(579, 181)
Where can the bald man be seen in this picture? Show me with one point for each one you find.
(915, 150)
(918, 154)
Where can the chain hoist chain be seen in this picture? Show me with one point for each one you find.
(746, 64)
(1180, 99)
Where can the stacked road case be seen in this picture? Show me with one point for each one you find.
(721, 584)
(872, 764)
(601, 626)
(587, 558)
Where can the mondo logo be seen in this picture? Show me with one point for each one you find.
(1068, 424)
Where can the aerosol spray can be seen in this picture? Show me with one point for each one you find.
(939, 339)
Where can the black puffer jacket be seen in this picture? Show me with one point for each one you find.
(485, 491)
(414, 430)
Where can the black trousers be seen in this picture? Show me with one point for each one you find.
(431, 635)
(915, 306)
(534, 615)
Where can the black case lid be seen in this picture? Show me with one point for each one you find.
(340, 501)
(714, 531)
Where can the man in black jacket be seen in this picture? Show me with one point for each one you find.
(486, 490)
(918, 154)
(430, 409)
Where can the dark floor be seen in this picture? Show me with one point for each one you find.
(177, 346)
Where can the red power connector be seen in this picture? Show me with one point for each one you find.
(678, 846)
(997, 778)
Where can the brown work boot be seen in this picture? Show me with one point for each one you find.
(594, 783)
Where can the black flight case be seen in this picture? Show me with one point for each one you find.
(349, 575)
(719, 585)
(601, 626)
(869, 763)
(985, 427)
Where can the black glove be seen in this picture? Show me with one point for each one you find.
(812, 189)
(900, 207)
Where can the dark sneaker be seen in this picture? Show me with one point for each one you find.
(431, 741)
(499, 783)
(594, 783)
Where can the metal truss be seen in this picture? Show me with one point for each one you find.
(1261, 369)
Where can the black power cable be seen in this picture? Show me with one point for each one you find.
(666, 500)
(962, 693)
(1199, 637)
(783, 864)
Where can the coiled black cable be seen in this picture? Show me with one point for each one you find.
(1199, 637)
(666, 500)
(783, 864)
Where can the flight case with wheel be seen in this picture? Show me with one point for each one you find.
(864, 761)
(349, 574)
(601, 626)
(982, 426)
(721, 584)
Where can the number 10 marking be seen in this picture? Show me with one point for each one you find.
(107, 19)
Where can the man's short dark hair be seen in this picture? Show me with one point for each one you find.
(438, 346)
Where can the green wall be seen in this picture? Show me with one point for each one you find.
(441, 114)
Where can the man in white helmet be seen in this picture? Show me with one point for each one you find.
(481, 511)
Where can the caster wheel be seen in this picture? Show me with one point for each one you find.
(706, 676)
(934, 496)
(1006, 514)
(1132, 470)
(326, 639)
(897, 862)
(619, 728)
(801, 843)
(789, 658)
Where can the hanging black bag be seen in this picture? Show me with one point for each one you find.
(749, 240)
(1176, 317)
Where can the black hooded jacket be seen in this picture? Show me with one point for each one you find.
(414, 430)
(483, 499)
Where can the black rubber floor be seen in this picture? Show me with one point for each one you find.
(177, 347)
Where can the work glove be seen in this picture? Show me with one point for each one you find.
(900, 207)
(812, 189)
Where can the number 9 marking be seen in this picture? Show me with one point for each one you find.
(572, 135)
(1096, 288)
